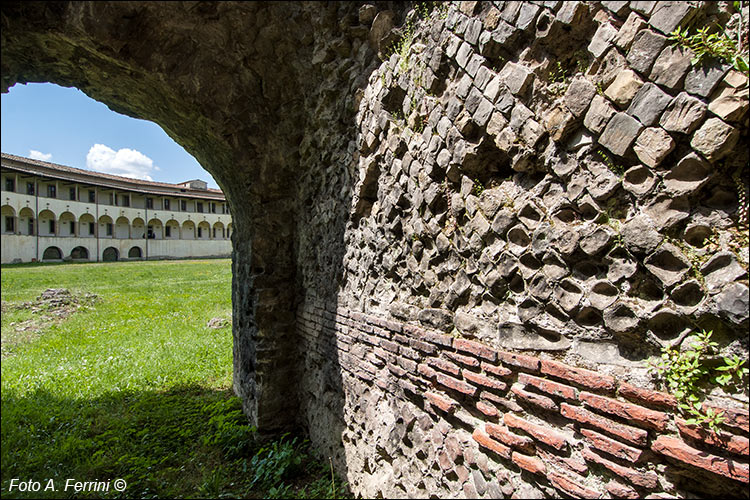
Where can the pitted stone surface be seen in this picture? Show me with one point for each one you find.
(414, 229)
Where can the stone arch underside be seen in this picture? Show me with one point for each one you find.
(233, 83)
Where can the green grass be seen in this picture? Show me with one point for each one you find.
(135, 386)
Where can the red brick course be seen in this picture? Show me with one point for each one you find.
(647, 397)
(543, 434)
(729, 442)
(531, 464)
(504, 435)
(519, 360)
(647, 418)
(630, 434)
(475, 348)
(676, 448)
(571, 487)
(548, 386)
(585, 378)
(613, 447)
(483, 381)
(492, 445)
(646, 479)
(535, 399)
(498, 371)
(455, 384)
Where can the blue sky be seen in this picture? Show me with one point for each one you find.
(63, 125)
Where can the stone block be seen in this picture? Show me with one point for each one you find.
(473, 29)
(619, 7)
(667, 16)
(483, 112)
(653, 145)
(516, 77)
(702, 79)
(579, 95)
(598, 115)
(483, 77)
(625, 86)
(683, 114)
(491, 44)
(474, 64)
(649, 103)
(638, 180)
(715, 139)
(602, 39)
(464, 54)
(646, 47)
(644, 8)
(620, 133)
(572, 13)
(629, 29)
(527, 15)
(496, 123)
(671, 66)
(729, 104)
(689, 175)
(558, 122)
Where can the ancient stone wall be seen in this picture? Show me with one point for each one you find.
(545, 194)
(453, 260)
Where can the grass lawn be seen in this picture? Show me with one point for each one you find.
(126, 381)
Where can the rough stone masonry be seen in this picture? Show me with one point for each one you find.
(462, 230)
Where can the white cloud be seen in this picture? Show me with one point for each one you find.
(125, 162)
(38, 155)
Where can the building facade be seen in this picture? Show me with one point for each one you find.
(52, 212)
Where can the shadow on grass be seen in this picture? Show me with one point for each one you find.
(188, 441)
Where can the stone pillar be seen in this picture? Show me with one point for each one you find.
(264, 317)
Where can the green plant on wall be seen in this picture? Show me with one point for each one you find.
(686, 375)
(718, 45)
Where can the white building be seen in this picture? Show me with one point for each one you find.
(52, 212)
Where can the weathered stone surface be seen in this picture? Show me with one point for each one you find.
(690, 173)
(645, 49)
(730, 104)
(602, 39)
(715, 139)
(653, 145)
(598, 115)
(620, 133)
(516, 77)
(629, 29)
(579, 95)
(683, 114)
(625, 86)
(671, 66)
(639, 180)
(666, 16)
(702, 79)
(639, 235)
(649, 103)
(558, 122)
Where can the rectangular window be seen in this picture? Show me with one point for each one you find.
(72, 228)
(31, 227)
(72, 194)
(29, 188)
(109, 229)
(183, 205)
(149, 203)
(200, 232)
(52, 227)
(91, 228)
(213, 207)
(111, 198)
(166, 204)
(126, 200)
(10, 224)
(167, 231)
(51, 191)
(214, 233)
(200, 207)
(10, 184)
(92, 196)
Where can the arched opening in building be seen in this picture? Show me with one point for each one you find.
(86, 226)
(52, 253)
(106, 227)
(155, 230)
(218, 231)
(47, 223)
(172, 230)
(138, 229)
(204, 230)
(110, 254)
(135, 253)
(8, 219)
(26, 221)
(79, 253)
(122, 228)
(188, 230)
(67, 224)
